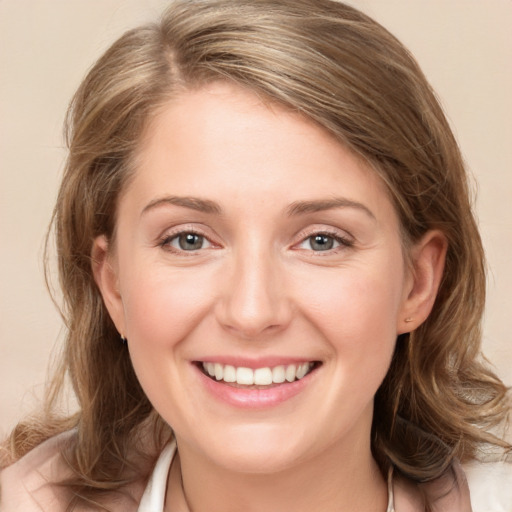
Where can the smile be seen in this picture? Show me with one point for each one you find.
(265, 376)
(247, 385)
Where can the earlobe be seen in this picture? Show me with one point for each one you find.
(106, 278)
(426, 272)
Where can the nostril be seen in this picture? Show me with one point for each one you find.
(248, 332)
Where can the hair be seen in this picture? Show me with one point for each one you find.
(334, 65)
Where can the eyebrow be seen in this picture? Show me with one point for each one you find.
(303, 207)
(193, 203)
(296, 208)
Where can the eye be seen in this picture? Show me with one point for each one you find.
(323, 242)
(186, 241)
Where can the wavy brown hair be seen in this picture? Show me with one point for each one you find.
(328, 62)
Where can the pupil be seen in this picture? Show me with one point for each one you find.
(322, 243)
(190, 242)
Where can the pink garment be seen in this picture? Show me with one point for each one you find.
(26, 486)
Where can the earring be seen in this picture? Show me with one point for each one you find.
(123, 339)
(408, 319)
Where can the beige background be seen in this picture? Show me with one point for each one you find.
(464, 47)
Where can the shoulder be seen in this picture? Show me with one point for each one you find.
(27, 484)
(473, 487)
(448, 493)
(490, 484)
(31, 483)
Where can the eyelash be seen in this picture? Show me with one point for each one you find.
(166, 240)
(305, 236)
(343, 241)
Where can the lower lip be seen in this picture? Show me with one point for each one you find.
(254, 398)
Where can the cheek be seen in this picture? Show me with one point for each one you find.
(162, 308)
(356, 312)
(354, 301)
(163, 305)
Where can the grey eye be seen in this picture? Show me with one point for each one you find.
(321, 242)
(189, 242)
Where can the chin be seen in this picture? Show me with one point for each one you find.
(251, 460)
(255, 449)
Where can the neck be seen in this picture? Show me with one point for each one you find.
(336, 480)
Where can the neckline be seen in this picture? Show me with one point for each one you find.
(391, 494)
(153, 499)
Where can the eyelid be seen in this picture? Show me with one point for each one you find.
(345, 239)
(171, 240)
(172, 233)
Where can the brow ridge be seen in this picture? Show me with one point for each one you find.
(317, 205)
(193, 203)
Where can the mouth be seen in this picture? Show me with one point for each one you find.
(257, 378)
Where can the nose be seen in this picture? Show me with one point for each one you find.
(254, 302)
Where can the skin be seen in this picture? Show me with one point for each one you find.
(256, 288)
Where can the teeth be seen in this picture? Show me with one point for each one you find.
(290, 372)
(263, 376)
(278, 375)
(210, 368)
(245, 376)
(229, 373)
(302, 370)
(259, 376)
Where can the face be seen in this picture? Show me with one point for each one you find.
(258, 276)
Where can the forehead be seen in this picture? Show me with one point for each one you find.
(225, 142)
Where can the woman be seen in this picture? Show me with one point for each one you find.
(273, 279)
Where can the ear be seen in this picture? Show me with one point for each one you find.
(106, 277)
(425, 272)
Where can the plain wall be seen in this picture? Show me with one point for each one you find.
(463, 46)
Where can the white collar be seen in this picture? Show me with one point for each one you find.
(153, 498)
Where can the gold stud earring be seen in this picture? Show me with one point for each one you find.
(408, 319)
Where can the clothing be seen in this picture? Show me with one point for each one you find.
(154, 494)
(26, 486)
(490, 485)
